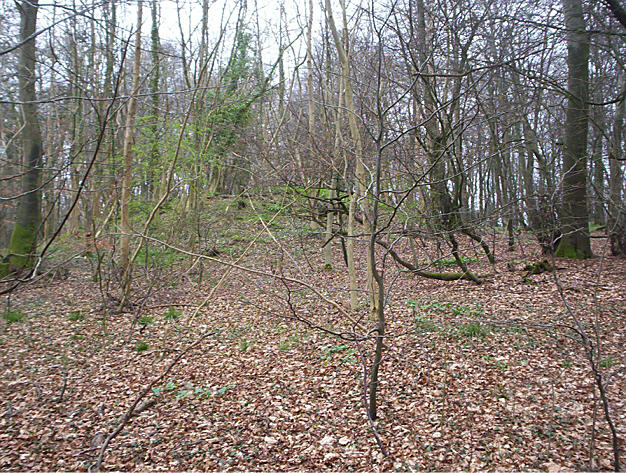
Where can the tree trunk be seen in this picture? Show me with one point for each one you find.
(128, 160)
(575, 242)
(155, 154)
(361, 177)
(616, 225)
(28, 219)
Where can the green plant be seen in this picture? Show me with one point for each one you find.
(12, 316)
(172, 313)
(189, 390)
(500, 392)
(330, 351)
(284, 346)
(221, 391)
(145, 320)
(423, 324)
(349, 356)
(243, 345)
(465, 310)
(159, 256)
(202, 392)
(501, 365)
(141, 346)
(606, 363)
(75, 316)
(473, 330)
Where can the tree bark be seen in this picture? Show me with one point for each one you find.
(616, 224)
(575, 242)
(361, 177)
(128, 160)
(28, 219)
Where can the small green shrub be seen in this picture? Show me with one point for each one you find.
(606, 363)
(221, 391)
(328, 352)
(465, 310)
(411, 303)
(473, 330)
(422, 324)
(243, 345)
(76, 316)
(172, 313)
(12, 316)
(500, 392)
(145, 320)
(141, 346)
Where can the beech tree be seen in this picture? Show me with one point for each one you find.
(575, 242)
(28, 215)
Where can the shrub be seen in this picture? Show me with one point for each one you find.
(172, 313)
(473, 330)
(13, 316)
(75, 316)
(145, 320)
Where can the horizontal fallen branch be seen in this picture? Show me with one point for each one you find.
(429, 274)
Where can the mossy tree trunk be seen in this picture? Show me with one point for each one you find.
(28, 217)
(155, 79)
(575, 242)
(128, 163)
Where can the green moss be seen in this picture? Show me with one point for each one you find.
(449, 276)
(566, 250)
(23, 241)
(539, 267)
(4, 269)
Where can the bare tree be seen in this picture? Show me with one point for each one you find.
(575, 221)
(27, 225)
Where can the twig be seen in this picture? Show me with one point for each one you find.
(60, 398)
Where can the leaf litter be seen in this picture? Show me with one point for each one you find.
(473, 378)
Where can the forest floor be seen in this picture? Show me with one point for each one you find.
(474, 377)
